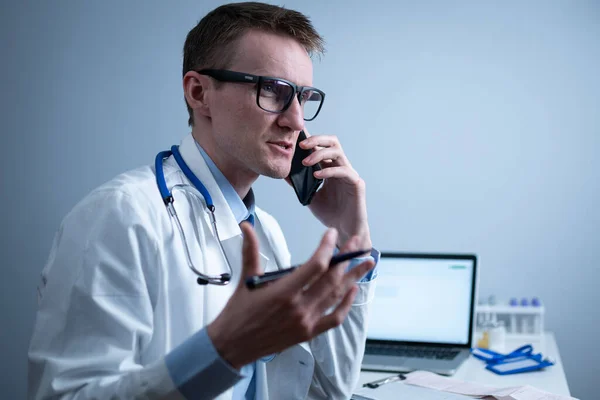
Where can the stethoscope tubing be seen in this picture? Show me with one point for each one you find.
(169, 200)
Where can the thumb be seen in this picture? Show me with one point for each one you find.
(250, 253)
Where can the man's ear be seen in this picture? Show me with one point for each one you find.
(195, 90)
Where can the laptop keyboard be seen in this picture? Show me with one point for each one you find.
(437, 353)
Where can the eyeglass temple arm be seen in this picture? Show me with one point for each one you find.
(229, 76)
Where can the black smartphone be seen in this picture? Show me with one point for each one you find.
(303, 181)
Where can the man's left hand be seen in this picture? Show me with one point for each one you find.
(341, 201)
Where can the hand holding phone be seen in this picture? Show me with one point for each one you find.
(254, 282)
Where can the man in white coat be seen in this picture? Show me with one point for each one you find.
(120, 313)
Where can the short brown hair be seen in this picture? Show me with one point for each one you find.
(208, 44)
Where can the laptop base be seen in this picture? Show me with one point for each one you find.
(372, 362)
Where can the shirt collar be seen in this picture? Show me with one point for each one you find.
(241, 209)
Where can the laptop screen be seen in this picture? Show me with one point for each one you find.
(422, 299)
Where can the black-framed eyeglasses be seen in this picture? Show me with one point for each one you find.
(275, 94)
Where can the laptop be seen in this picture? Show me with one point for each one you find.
(421, 317)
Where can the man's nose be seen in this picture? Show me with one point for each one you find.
(293, 117)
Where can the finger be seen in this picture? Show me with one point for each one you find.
(339, 314)
(320, 140)
(343, 172)
(359, 271)
(326, 153)
(250, 253)
(306, 134)
(315, 266)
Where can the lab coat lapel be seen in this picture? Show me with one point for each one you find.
(219, 295)
(268, 259)
(278, 253)
(233, 249)
(226, 222)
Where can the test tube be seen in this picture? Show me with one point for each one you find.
(480, 316)
(492, 303)
(535, 302)
(513, 317)
(524, 318)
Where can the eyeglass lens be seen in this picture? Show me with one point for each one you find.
(275, 95)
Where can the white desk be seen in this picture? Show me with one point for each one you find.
(552, 379)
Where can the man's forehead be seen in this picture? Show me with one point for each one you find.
(262, 53)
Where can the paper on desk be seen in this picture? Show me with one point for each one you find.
(399, 391)
(434, 381)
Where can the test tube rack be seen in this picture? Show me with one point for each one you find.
(525, 322)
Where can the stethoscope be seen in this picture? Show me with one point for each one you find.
(168, 199)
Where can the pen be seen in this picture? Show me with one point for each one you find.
(254, 282)
(379, 382)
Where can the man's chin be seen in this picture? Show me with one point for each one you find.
(276, 173)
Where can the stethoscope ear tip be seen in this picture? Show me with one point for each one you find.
(225, 277)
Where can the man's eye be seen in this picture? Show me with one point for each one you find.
(269, 89)
(306, 96)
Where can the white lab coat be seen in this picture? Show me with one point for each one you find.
(119, 296)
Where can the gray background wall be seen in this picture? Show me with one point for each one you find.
(475, 125)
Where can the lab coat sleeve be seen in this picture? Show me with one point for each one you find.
(96, 309)
(338, 352)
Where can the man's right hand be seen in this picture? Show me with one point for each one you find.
(291, 310)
